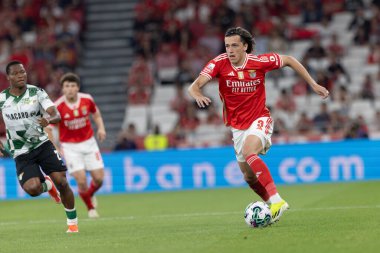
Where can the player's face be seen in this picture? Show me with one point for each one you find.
(235, 49)
(17, 76)
(70, 90)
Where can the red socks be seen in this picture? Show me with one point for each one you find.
(260, 190)
(86, 196)
(93, 188)
(265, 186)
(86, 199)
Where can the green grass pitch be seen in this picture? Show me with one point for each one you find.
(323, 218)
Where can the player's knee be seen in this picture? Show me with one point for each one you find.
(97, 177)
(98, 181)
(33, 189)
(247, 152)
(82, 186)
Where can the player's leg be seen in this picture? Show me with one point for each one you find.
(94, 164)
(97, 177)
(52, 165)
(239, 137)
(81, 179)
(33, 187)
(30, 176)
(253, 182)
(74, 156)
(95, 184)
(52, 190)
(257, 141)
(67, 197)
(251, 148)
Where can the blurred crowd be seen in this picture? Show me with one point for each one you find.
(173, 40)
(42, 34)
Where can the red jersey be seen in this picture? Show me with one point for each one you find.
(242, 89)
(75, 125)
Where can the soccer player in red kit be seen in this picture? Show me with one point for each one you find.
(76, 136)
(242, 91)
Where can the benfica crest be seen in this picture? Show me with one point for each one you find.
(252, 73)
(84, 110)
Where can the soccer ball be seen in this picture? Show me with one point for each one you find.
(257, 215)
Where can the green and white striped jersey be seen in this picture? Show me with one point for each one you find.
(20, 114)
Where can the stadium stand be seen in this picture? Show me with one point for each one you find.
(106, 59)
(327, 39)
(133, 56)
(44, 36)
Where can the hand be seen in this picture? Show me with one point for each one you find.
(321, 91)
(202, 101)
(43, 122)
(101, 134)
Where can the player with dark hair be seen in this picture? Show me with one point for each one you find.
(76, 138)
(24, 107)
(242, 91)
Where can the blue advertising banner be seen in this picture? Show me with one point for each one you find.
(128, 172)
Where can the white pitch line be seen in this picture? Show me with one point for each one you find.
(10, 223)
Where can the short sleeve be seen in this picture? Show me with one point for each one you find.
(211, 69)
(270, 61)
(43, 99)
(92, 105)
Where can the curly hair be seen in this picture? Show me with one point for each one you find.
(245, 37)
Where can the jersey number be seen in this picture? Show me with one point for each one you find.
(260, 125)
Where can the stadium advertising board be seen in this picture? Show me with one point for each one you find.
(216, 167)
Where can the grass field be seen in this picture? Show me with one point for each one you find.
(323, 218)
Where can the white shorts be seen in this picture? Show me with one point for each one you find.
(82, 156)
(262, 128)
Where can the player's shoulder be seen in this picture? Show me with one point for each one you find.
(265, 56)
(4, 94)
(5, 91)
(221, 58)
(59, 101)
(263, 59)
(33, 87)
(85, 96)
(34, 90)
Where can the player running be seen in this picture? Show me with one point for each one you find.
(77, 142)
(23, 107)
(242, 91)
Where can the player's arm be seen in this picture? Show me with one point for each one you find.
(101, 130)
(49, 131)
(53, 118)
(195, 90)
(300, 69)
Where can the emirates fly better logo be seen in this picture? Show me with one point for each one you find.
(243, 86)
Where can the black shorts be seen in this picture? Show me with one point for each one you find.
(45, 157)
